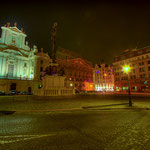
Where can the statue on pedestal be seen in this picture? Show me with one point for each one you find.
(53, 67)
(53, 38)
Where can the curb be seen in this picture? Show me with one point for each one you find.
(128, 108)
(105, 105)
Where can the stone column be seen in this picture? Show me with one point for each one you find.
(21, 37)
(6, 67)
(7, 38)
(3, 65)
(20, 68)
(29, 68)
(23, 42)
(17, 68)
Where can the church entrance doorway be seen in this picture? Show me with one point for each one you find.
(13, 86)
(29, 89)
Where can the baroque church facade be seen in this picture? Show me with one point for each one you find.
(18, 62)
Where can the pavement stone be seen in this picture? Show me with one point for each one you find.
(81, 129)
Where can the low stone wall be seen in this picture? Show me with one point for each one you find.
(54, 92)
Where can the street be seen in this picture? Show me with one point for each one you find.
(74, 129)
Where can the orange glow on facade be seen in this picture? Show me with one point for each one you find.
(88, 86)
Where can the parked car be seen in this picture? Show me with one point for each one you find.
(2, 93)
(13, 92)
(22, 93)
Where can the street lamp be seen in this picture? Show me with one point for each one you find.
(126, 69)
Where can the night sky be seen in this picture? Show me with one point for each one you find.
(93, 29)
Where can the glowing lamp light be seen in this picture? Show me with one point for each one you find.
(71, 84)
(91, 85)
(97, 72)
(126, 69)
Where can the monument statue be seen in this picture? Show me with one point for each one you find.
(54, 80)
(53, 38)
(52, 69)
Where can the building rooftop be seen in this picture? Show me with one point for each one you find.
(132, 53)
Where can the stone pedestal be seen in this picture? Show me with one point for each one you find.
(54, 86)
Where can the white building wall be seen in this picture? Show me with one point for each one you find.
(18, 60)
(3, 67)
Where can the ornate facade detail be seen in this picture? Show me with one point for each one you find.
(16, 57)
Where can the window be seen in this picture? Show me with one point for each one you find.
(142, 76)
(70, 73)
(142, 70)
(133, 71)
(79, 74)
(41, 69)
(133, 77)
(141, 63)
(124, 78)
(41, 61)
(40, 77)
(76, 74)
(13, 40)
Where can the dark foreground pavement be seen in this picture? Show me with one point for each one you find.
(27, 123)
(76, 130)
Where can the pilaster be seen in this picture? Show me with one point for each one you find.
(1, 65)
(4, 65)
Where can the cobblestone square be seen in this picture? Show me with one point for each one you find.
(74, 129)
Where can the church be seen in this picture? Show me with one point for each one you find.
(18, 62)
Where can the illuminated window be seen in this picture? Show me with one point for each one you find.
(40, 86)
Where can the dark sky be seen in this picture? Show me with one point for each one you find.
(93, 29)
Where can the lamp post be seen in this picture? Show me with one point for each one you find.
(126, 69)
